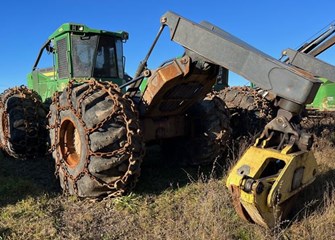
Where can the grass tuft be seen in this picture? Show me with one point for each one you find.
(169, 202)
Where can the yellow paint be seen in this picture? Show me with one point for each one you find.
(265, 207)
(49, 74)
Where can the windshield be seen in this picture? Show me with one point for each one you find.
(87, 50)
(83, 48)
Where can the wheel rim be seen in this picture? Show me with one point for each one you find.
(70, 144)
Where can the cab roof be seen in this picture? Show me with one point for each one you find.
(81, 28)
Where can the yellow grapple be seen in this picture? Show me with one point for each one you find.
(265, 181)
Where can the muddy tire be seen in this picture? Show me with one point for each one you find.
(322, 127)
(249, 111)
(23, 132)
(96, 141)
(209, 126)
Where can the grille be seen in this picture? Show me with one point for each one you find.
(63, 70)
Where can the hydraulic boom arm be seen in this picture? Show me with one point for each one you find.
(279, 165)
(305, 56)
(221, 48)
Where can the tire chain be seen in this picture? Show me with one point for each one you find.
(133, 168)
(259, 103)
(237, 100)
(26, 94)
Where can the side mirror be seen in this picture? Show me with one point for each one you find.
(49, 48)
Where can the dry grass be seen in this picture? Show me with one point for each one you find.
(168, 203)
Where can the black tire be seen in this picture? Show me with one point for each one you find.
(209, 126)
(23, 132)
(249, 111)
(96, 141)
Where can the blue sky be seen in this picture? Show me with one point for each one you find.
(270, 26)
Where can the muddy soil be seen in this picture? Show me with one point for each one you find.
(321, 126)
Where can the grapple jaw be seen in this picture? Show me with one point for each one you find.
(266, 180)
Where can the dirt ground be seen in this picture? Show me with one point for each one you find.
(169, 202)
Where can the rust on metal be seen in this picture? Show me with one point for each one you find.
(235, 192)
(65, 145)
(70, 145)
(29, 123)
(171, 89)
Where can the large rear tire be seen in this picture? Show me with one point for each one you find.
(23, 132)
(96, 140)
(249, 111)
(208, 120)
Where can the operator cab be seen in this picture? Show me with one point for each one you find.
(78, 52)
(96, 56)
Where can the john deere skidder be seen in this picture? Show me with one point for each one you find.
(99, 120)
